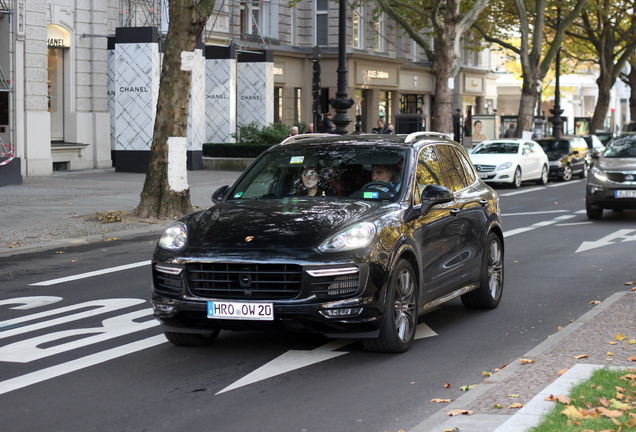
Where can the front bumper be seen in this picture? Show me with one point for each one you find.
(503, 176)
(326, 305)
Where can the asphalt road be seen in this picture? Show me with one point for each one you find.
(84, 354)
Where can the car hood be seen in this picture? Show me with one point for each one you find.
(617, 164)
(492, 159)
(268, 224)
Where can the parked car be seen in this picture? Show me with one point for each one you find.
(612, 180)
(510, 161)
(396, 226)
(604, 136)
(594, 144)
(568, 155)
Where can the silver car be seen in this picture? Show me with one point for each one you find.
(611, 183)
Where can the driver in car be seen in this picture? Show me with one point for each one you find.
(385, 174)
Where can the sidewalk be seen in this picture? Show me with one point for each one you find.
(49, 212)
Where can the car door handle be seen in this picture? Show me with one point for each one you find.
(483, 203)
(454, 212)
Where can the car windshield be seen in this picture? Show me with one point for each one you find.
(318, 171)
(497, 148)
(622, 147)
(554, 145)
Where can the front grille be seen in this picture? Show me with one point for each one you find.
(336, 286)
(244, 281)
(620, 177)
(485, 168)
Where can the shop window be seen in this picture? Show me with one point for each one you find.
(411, 104)
(384, 106)
(378, 36)
(278, 104)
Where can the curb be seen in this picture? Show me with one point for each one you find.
(484, 423)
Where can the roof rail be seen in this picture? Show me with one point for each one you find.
(294, 138)
(414, 135)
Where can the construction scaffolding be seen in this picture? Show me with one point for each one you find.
(142, 13)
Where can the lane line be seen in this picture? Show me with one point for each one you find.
(538, 225)
(534, 213)
(80, 363)
(91, 274)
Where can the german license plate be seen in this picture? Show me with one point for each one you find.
(625, 194)
(484, 175)
(240, 310)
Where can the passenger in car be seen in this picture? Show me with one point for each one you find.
(310, 178)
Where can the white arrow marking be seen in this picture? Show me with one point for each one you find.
(30, 302)
(296, 359)
(608, 240)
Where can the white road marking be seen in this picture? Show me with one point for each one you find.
(574, 224)
(608, 240)
(296, 359)
(534, 213)
(81, 363)
(91, 274)
(537, 225)
(30, 302)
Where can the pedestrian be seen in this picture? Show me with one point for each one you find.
(389, 129)
(310, 129)
(380, 128)
(294, 131)
(327, 125)
(510, 133)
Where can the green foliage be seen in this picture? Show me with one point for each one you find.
(272, 134)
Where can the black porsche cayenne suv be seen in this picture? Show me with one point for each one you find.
(347, 236)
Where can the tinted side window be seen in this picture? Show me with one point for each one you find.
(428, 172)
(454, 178)
(469, 172)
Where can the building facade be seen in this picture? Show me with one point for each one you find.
(54, 85)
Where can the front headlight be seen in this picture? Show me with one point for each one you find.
(504, 166)
(598, 174)
(356, 237)
(175, 237)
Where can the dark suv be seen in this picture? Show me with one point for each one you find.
(567, 155)
(347, 236)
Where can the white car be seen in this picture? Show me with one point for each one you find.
(510, 161)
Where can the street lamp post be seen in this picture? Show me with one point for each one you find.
(556, 111)
(341, 103)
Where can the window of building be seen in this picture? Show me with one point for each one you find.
(378, 36)
(298, 98)
(251, 18)
(411, 104)
(322, 23)
(278, 104)
(384, 106)
(358, 27)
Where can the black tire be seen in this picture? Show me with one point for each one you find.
(544, 176)
(583, 173)
(488, 295)
(516, 180)
(191, 339)
(400, 318)
(593, 212)
(567, 173)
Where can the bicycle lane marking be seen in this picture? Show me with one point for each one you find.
(91, 274)
(538, 225)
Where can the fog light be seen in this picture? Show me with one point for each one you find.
(164, 308)
(340, 313)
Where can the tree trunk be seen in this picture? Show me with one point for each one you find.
(442, 120)
(632, 86)
(525, 120)
(166, 193)
(604, 83)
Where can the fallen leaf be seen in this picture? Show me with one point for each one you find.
(613, 343)
(516, 405)
(59, 252)
(608, 413)
(630, 283)
(572, 413)
(467, 387)
(620, 337)
(595, 302)
(559, 398)
(451, 430)
(497, 406)
(486, 374)
(438, 400)
(74, 261)
(459, 411)
(604, 402)
(447, 385)
(582, 356)
(609, 353)
(632, 358)
(628, 377)
(562, 371)
(500, 368)
(513, 395)
(526, 361)
(632, 341)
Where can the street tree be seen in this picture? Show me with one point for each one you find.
(608, 29)
(507, 21)
(447, 21)
(630, 80)
(166, 193)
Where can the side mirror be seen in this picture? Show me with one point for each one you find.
(218, 194)
(433, 195)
